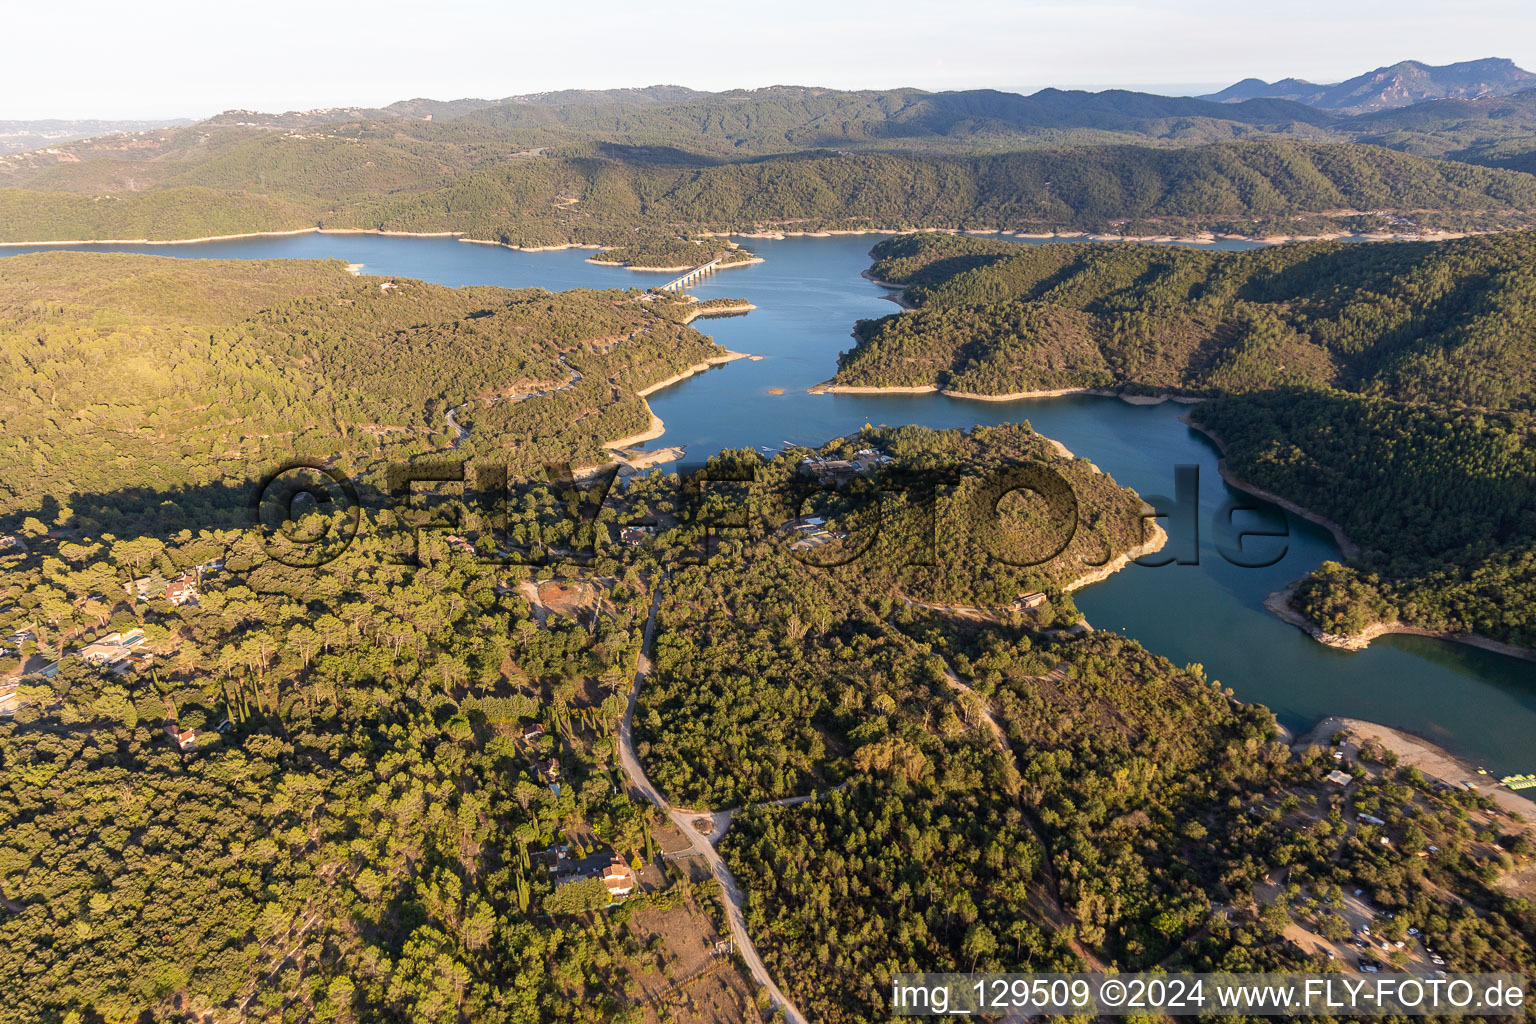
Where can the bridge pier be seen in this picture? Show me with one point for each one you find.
(697, 273)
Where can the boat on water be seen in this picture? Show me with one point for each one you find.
(1527, 781)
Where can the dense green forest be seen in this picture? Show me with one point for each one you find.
(657, 251)
(729, 720)
(365, 840)
(1441, 322)
(146, 386)
(368, 838)
(999, 794)
(1496, 131)
(598, 193)
(1387, 387)
(1442, 504)
(784, 119)
(590, 167)
(1124, 815)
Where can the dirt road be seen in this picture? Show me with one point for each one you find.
(734, 901)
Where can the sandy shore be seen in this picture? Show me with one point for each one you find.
(733, 309)
(828, 388)
(657, 427)
(650, 433)
(860, 389)
(180, 241)
(900, 298)
(599, 261)
(645, 460)
(1120, 561)
(288, 233)
(1015, 396)
(1159, 399)
(1103, 572)
(1202, 238)
(531, 248)
(1279, 604)
(1198, 238)
(1433, 761)
(726, 357)
(1057, 447)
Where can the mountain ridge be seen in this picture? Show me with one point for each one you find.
(1396, 85)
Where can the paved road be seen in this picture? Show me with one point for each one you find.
(734, 901)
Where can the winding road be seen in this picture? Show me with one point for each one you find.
(734, 901)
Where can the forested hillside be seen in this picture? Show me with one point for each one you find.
(133, 381)
(467, 179)
(1448, 322)
(1442, 504)
(996, 794)
(1388, 387)
(376, 832)
(1497, 131)
(726, 724)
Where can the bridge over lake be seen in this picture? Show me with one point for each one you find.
(701, 271)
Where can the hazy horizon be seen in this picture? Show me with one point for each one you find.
(1157, 88)
(301, 56)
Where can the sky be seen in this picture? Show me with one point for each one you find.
(180, 58)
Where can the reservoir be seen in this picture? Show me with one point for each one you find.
(809, 293)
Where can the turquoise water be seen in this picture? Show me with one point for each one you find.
(809, 293)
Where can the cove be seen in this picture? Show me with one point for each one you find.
(1478, 705)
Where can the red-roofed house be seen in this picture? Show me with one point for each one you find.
(619, 879)
(182, 590)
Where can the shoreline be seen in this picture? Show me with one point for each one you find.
(1017, 396)
(900, 298)
(829, 388)
(1433, 760)
(1197, 238)
(1201, 238)
(1347, 547)
(256, 234)
(1098, 575)
(862, 389)
(657, 428)
(1279, 605)
(596, 262)
(735, 309)
(176, 241)
(458, 235)
(725, 357)
(527, 248)
(1120, 561)
(650, 433)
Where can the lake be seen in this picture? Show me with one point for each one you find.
(809, 292)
